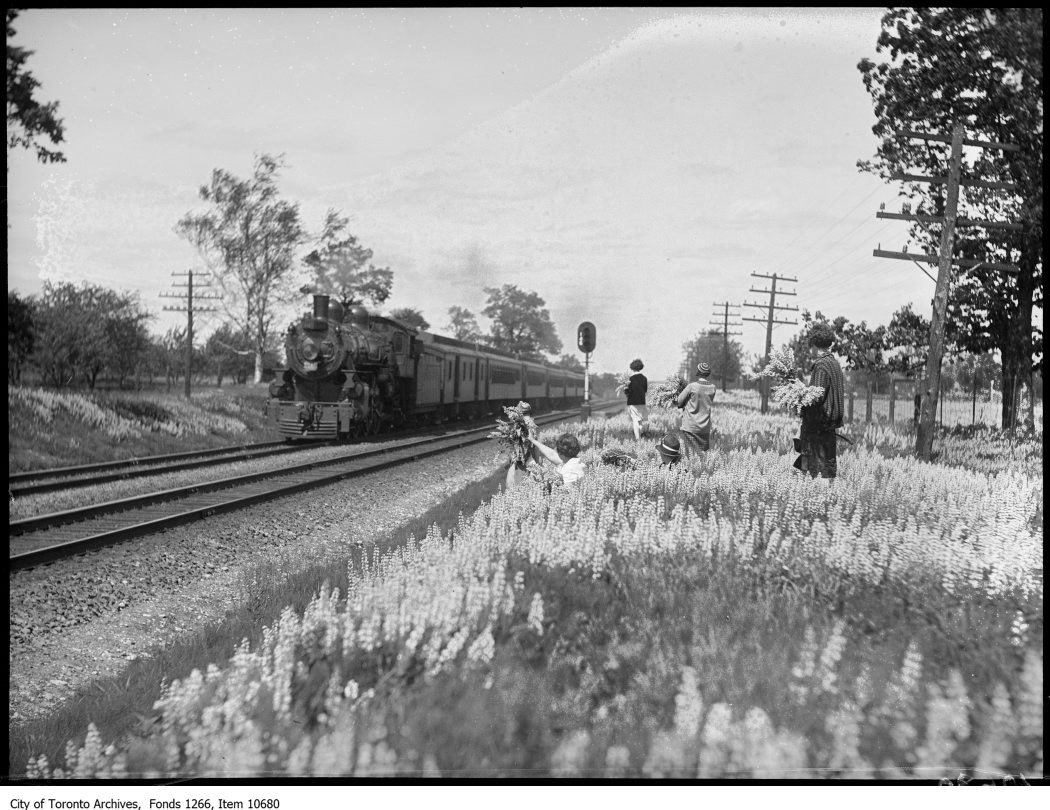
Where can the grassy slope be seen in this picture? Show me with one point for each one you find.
(235, 415)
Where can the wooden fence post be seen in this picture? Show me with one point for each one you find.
(893, 398)
(850, 404)
(867, 408)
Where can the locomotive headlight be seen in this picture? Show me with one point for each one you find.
(327, 349)
(310, 350)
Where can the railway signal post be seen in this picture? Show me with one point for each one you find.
(585, 337)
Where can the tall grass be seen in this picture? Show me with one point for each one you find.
(718, 618)
(58, 428)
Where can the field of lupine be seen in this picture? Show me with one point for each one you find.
(48, 428)
(720, 618)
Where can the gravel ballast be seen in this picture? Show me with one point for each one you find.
(78, 620)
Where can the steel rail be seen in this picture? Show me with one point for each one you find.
(403, 453)
(141, 461)
(142, 472)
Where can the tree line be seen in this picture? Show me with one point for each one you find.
(77, 335)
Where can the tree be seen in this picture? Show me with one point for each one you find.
(338, 265)
(411, 317)
(604, 384)
(127, 338)
(977, 371)
(19, 335)
(226, 352)
(710, 347)
(569, 361)
(249, 239)
(520, 324)
(463, 325)
(172, 353)
(70, 334)
(982, 67)
(908, 332)
(861, 345)
(27, 118)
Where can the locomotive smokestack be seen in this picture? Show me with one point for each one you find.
(321, 306)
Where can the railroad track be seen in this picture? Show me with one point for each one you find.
(43, 539)
(61, 478)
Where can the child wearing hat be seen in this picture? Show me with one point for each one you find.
(670, 450)
(636, 389)
(695, 400)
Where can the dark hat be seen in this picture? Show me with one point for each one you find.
(669, 448)
(703, 369)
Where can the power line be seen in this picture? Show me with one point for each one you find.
(831, 204)
(837, 223)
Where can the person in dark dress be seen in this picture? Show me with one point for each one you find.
(817, 439)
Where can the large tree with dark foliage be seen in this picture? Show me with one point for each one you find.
(569, 361)
(85, 329)
(410, 316)
(710, 347)
(342, 267)
(27, 118)
(909, 332)
(861, 345)
(19, 335)
(463, 325)
(520, 322)
(248, 238)
(983, 67)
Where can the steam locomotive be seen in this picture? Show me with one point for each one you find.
(351, 373)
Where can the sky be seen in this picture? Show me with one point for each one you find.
(634, 166)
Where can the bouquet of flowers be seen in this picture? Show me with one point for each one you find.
(618, 457)
(665, 395)
(622, 380)
(788, 390)
(513, 434)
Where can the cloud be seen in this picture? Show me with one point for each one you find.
(704, 169)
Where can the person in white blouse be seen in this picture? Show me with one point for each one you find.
(565, 455)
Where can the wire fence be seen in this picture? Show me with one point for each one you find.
(899, 406)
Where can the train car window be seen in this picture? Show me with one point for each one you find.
(399, 342)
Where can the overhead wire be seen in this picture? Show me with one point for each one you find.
(832, 203)
(789, 268)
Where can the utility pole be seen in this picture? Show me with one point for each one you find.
(725, 338)
(944, 261)
(188, 308)
(769, 320)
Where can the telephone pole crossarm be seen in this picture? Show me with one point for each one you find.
(925, 136)
(931, 259)
(967, 183)
(961, 221)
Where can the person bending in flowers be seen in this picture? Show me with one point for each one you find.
(565, 455)
(821, 419)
